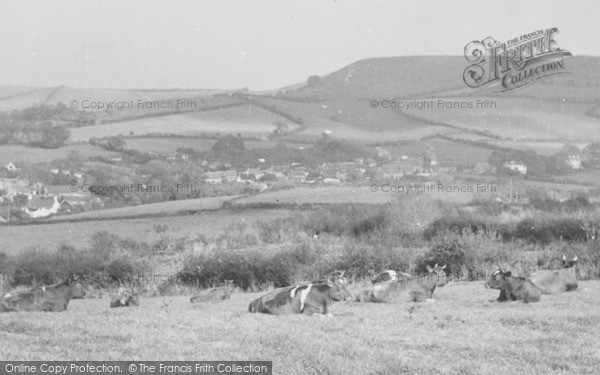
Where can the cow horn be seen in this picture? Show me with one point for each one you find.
(342, 274)
(564, 257)
(575, 259)
(444, 266)
(435, 265)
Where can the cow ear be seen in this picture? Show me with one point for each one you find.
(564, 257)
(429, 268)
(506, 275)
(329, 283)
(575, 259)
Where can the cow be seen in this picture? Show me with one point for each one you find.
(305, 299)
(54, 298)
(125, 297)
(557, 281)
(519, 288)
(214, 294)
(389, 275)
(414, 289)
(553, 281)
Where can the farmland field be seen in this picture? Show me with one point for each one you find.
(211, 224)
(169, 145)
(31, 155)
(247, 120)
(519, 118)
(160, 208)
(354, 194)
(461, 333)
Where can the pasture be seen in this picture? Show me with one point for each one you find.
(461, 333)
(49, 236)
(34, 155)
(247, 120)
(168, 145)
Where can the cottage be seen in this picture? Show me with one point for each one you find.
(516, 166)
(229, 176)
(42, 207)
(212, 178)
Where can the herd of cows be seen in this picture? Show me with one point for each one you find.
(316, 297)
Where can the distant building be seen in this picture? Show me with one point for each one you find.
(573, 161)
(516, 166)
(42, 207)
(229, 176)
(212, 178)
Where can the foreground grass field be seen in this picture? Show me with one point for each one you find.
(461, 333)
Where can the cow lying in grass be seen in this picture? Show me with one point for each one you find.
(519, 288)
(125, 297)
(46, 298)
(305, 299)
(413, 289)
(389, 275)
(214, 294)
(553, 281)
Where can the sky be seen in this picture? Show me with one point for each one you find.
(230, 44)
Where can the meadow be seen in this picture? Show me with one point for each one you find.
(48, 236)
(461, 333)
(32, 155)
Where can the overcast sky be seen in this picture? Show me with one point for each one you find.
(256, 44)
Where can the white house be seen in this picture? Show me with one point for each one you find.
(516, 166)
(42, 207)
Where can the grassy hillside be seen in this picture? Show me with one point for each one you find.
(461, 333)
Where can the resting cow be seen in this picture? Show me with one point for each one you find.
(414, 289)
(214, 294)
(125, 297)
(47, 298)
(519, 288)
(553, 281)
(305, 299)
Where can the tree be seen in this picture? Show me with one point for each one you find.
(312, 80)
(591, 155)
(228, 148)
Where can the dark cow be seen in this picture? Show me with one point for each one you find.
(389, 275)
(125, 297)
(305, 299)
(46, 298)
(519, 288)
(413, 289)
(214, 294)
(553, 281)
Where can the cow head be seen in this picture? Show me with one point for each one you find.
(496, 281)
(338, 285)
(78, 289)
(568, 263)
(440, 272)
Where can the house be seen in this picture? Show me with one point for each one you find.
(66, 207)
(516, 166)
(229, 176)
(257, 173)
(447, 167)
(42, 207)
(115, 157)
(75, 197)
(212, 178)
(573, 161)
(395, 171)
(298, 174)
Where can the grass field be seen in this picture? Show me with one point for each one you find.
(461, 333)
(247, 120)
(32, 155)
(355, 194)
(160, 208)
(519, 118)
(169, 145)
(211, 224)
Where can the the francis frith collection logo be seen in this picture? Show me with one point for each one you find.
(516, 62)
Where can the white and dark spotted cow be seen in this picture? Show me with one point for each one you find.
(303, 299)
